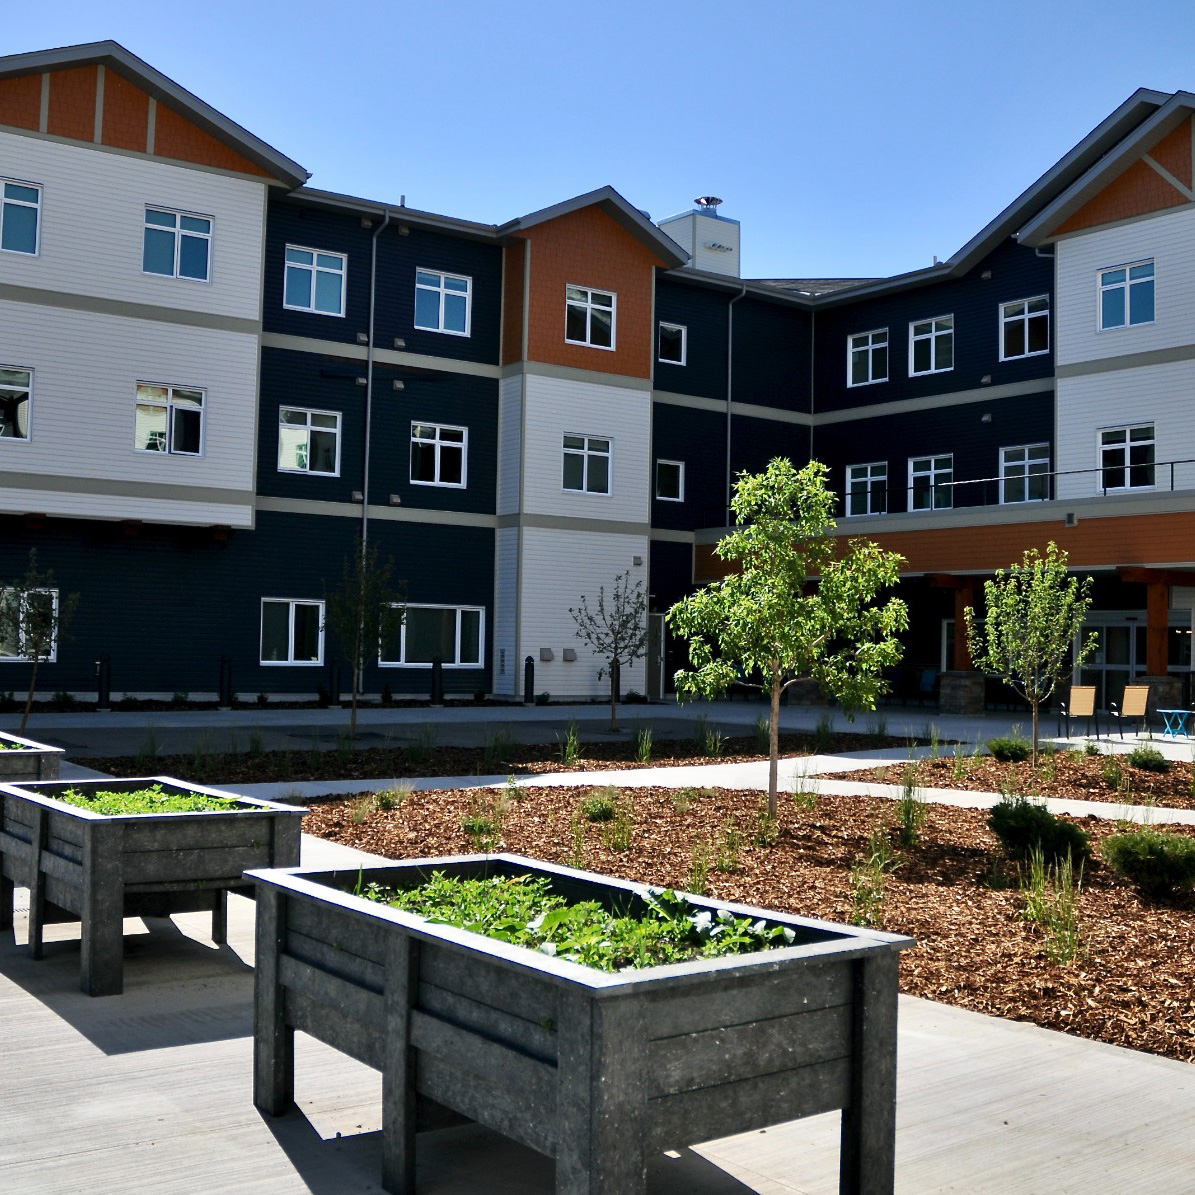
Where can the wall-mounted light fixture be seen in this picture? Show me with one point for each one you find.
(546, 655)
(357, 496)
(395, 499)
(986, 417)
(399, 384)
(362, 381)
(570, 655)
(986, 380)
(399, 343)
(362, 337)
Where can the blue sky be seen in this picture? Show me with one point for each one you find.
(848, 138)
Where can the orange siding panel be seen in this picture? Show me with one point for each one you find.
(513, 264)
(126, 114)
(1137, 192)
(72, 102)
(176, 137)
(20, 102)
(1174, 152)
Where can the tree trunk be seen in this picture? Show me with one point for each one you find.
(615, 681)
(1033, 705)
(774, 742)
(353, 715)
(29, 698)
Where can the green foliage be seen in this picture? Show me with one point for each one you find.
(484, 822)
(419, 750)
(763, 734)
(579, 858)
(1012, 749)
(1112, 772)
(868, 876)
(1148, 759)
(499, 743)
(543, 698)
(1092, 749)
(615, 630)
(362, 807)
(708, 739)
(147, 753)
(911, 810)
(1032, 613)
(804, 792)
(767, 827)
(960, 767)
(699, 866)
(643, 744)
(1159, 863)
(823, 735)
(616, 833)
(1023, 826)
(792, 605)
(151, 799)
(391, 798)
(729, 849)
(1051, 894)
(601, 805)
(570, 745)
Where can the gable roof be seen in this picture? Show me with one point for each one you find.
(113, 54)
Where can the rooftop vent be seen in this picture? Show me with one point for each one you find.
(708, 203)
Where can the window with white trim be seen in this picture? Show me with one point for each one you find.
(292, 631)
(308, 441)
(443, 302)
(587, 464)
(20, 216)
(1127, 295)
(438, 454)
(1025, 473)
(672, 344)
(1025, 328)
(314, 281)
(1127, 457)
(931, 345)
(867, 489)
(16, 402)
(867, 357)
(169, 419)
(36, 613)
(453, 634)
(589, 317)
(670, 481)
(930, 479)
(177, 244)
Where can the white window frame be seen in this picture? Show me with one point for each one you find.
(1023, 317)
(932, 473)
(868, 347)
(462, 444)
(290, 662)
(1101, 288)
(932, 336)
(875, 471)
(315, 269)
(684, 343)
(53, 656)
(169, 407)
(680, 466)
(4, 203)
(402, 661)
(587, 305)
(179, 232)
(441, 291)
(9, 388)
(309, 411)
(1127, 466)
(586, 453)
(1035, 454)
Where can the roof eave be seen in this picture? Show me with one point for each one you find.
(375, 207)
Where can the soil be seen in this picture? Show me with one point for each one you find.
(1108, 778)
(955, 892)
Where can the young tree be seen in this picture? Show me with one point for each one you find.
(33, 621)
(617, 632)
(794, 605)
(1032, 614)
(364, 612)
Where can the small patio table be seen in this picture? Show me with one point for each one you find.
(1176, 724)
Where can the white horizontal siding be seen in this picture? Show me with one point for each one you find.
(556, 406)
(506, 601)
(86, 368)
(93, 220)
(510, 408)
(180, 506)
(1170, 241)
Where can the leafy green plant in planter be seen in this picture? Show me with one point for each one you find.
(150, 799)
(1158, 863)
(1148, 759)
(601, 805)
(1010, 749)
(1022, 825)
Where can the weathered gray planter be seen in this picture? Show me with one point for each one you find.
(99, 869)
(595, 1070)
(29, 760)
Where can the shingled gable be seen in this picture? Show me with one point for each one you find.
(100, 93)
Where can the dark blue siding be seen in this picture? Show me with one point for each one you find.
(755, 442)
(698, 438)
(771, 355)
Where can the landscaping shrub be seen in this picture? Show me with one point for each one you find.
(1158, 863)
(1148, 759)
(1013, 749)
(1021, 825)
(601, 805)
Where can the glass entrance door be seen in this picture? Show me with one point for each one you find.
(1119, 656)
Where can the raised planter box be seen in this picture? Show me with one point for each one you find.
(99, 869)
(23, 759)
(596, 1070)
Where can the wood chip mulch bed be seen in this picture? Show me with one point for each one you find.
(1109, 778)
(955, 892)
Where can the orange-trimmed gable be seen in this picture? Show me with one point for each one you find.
(513, 267)
(1173, 153)
(1138, 192)
(126, 114)
(176, 137)
(20, 102)
(73, 93)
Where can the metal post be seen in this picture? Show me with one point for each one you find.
(437, 693)
(528, 681)
(103, 683)
(224, 696)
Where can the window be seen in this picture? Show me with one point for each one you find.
(1127, 295)
(169, 419)
(867, 489)
(672, 345)
(589, 317)
(930, 479)
(1025, 473)
(867, 358)
(454, 634)
(670, 481)
(20, 216)
(177, 244)
(587, 464)
(1127, 457)
(16, 400)
(292, 631)
(1025, 328)
(37, 618)
(438, 454)
(314, 281)
(443, 302)
(931, 345)
(308, 441)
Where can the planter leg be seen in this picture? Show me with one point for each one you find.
(102, 935)
(37, 892)
(273, 1038)
(398, 1067)
(8, 900)
(220, 917)
(867, 1161)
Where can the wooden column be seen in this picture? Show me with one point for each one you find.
(273, 1038)
(1158, 610)
(964, 596)
(101, 947)
(399, 1103)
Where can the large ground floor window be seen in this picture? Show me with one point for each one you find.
(453, 634)
(292, 631)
